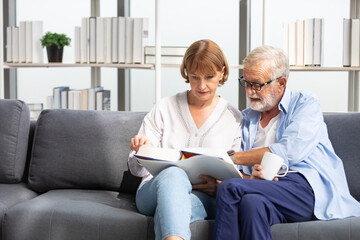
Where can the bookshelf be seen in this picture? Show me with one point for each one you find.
(123, 76)
(244, 48)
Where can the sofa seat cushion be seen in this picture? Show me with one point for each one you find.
(76, 149)
(12, 194)
(14, 134)
(76, 214)
(344, 229)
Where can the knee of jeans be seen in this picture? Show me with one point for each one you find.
(173, 175)
(252, 203)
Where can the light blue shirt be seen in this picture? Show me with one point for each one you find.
(302, 141)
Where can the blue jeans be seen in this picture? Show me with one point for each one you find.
(170, 199)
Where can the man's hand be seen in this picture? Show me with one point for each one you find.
(138, 141)
(209, 186)
(256, 174)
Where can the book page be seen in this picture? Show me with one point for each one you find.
(159, 154)
(215, 152)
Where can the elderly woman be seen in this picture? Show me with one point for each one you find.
(194, 118)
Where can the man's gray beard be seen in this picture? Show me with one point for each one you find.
(266, 104)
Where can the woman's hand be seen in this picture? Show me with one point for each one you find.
(257, 174)
(138, 141)
(209, 186)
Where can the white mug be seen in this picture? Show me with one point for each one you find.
(271, 164)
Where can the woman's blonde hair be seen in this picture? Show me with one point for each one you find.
(205, 56)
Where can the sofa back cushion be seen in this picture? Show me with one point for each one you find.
(344, 134)
(81, 149)
(14, 134)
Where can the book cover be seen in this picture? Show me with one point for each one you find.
(108, 38)
(140, 38)
(15, 44)
(129, 29)
(103, 100)
(28, 41)
(92, 29)
(194, 161)
(57, 101)
(22, 42)
(318, 41)
(309, 41)
(121, 39)
(346, 42)
(114, 40)
(64, 98)
(100, 40)
(9, 44)
(292, 44)
(84, 99)
(74, 100)
(355, 43)
(92, 97)
(36, 48)
(299, 43)
(77, 48)
(84, 45)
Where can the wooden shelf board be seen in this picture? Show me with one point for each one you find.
(111, 65)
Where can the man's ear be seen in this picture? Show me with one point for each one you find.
(282, 82)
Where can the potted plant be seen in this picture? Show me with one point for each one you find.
(54, 43)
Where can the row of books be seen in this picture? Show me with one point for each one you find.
(95, 98)
(303, 42)
(351, 42)
(169, 54)
(111, 40)
(23, 42)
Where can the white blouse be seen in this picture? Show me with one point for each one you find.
(170, 125)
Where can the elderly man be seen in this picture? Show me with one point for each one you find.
(289, 124)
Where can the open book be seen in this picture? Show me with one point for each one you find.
(194, 161)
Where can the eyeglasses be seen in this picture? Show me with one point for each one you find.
(254, 86)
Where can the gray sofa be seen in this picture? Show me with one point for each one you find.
(66, 177)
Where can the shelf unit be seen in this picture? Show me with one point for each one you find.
(244, 48)
(123, 74)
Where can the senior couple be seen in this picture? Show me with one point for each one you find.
(287, 123)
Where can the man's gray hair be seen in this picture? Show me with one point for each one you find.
(273, 57)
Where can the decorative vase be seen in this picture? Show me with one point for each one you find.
(54, 54)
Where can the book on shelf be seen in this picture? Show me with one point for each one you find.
(84, 46)
(355, 42)
(103, 100)
(22, 41)
(28, 41)
(166, 50)
(318, 41)
(140, 38)
(299, 42)
(100, 40)
(36, 34)
(194, 161)
(92, 44)
(92, 97)
(15, 44)
(309, 42)
(74, 99)
(121, 39)
(57, 101)
(84, 99)
(64, 98)
(114, 39)
(77, 41)
(129, 39)
(107, 41)
(9, 44)
(346, 42)
(292, 44)
(35, 110)
(149, 59)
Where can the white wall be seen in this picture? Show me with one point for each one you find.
(183, 22)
